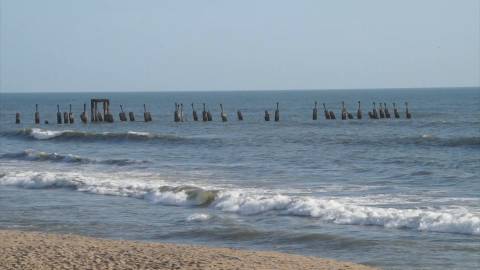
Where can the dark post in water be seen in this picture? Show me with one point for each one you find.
(277, 114)
(37, 115)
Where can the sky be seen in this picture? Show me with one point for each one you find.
(153, 45)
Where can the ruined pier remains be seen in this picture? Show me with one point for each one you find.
(97, 115)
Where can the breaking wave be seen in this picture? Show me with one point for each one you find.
(72, 135)
(245, 202)
(32, 155)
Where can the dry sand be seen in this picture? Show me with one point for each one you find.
(34, 250)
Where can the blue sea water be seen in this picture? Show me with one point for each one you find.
(394, 193)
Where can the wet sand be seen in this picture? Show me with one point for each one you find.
(35, 250)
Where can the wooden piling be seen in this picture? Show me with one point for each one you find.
(359, 111)
(327, 114)
(223, 115)
(332, 115)
(93, 115)
(374, 114)
(122, 115)
(239, 115)
(17, 118)
(209, 116)
(387, 113)
(395, 111)
(267, 116)
(83, 116)
(344, 111)
(131, 116)
(182, 116)
(59, 115)
(146, 115)
(194, 114)
(204, 114)
(408, 115)
(107, 113)
(70, 115)
(315, 112)
(277, 114)
(65, 118)
(381, 111)
(37, 115)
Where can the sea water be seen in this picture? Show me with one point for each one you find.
(395, 193)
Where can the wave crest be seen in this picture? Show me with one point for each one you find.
(32, 155)
(45, 134)
(254, 203)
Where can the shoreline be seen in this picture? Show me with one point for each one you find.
(39, 250)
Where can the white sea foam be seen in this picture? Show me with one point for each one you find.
(198, 217)
(138, 133)
(250, 202)
(44, 134)
(167, 197)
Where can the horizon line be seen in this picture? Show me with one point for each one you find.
(234, 90)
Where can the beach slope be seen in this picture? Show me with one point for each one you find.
(35, 250)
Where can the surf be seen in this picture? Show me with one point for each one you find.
(248, 202)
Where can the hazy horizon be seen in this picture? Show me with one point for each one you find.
(245, 90)
(127, 46)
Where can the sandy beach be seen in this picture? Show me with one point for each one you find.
(35, 250)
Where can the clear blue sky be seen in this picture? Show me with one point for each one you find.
(117, 45)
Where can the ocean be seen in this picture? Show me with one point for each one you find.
(394, 193)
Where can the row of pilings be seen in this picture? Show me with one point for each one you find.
(378, 112)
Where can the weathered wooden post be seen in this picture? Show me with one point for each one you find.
(37, 115)
(182, 116)
(359, 111)
(315, 112)
(395, 111)
(332, 115)
(345, 113)
(239, 115)
(327, 114)
(59, 115)
(110, 115)
(387, 113)
(122, 115)
(104, 110)
(209, 115)
(277, 114)
(93, 114)
(83, 116)
(374, 114)
(204, 114)
(65, 118)
(381, 111)
(194, 113)
(17, 118)
(70, 115)
(176, 113)
(98, 115)
(407, 113)
(267, 116)
(223, 115)
(146, 115)
(131, 116)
